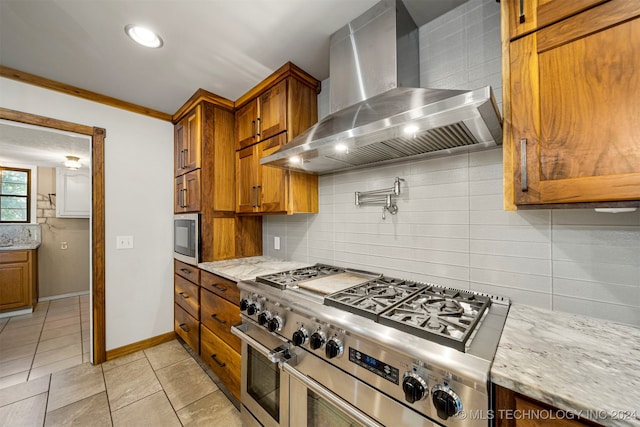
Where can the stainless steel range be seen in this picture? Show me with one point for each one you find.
(326, 345)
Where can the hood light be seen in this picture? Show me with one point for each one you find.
(296, 160)
(342, 148)
(143, 36)
(411, 129)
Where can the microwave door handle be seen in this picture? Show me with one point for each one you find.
(239, 331)
(323, 392)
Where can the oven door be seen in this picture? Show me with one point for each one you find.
(264, 389)
(323, 395)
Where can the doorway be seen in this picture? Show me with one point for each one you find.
(97, 291)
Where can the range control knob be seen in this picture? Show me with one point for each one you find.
(414, 387)
(333, 348)
(253, 308)
(263, 318)
(316, 340)
(300, 336)
(275, 324)
(244, 304)
(446, 401)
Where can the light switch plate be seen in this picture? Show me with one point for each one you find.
(124, 242)
(276, 243)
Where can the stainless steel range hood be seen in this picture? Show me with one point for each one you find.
(378, 114)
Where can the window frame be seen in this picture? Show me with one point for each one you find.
(28, 196)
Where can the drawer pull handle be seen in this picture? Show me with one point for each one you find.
(220, 288)
(215, 317)
(522, 17)
(183, 295)
(183, 326)
(219, 363)
(185, 271)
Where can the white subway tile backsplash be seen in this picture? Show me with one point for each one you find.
(451, 228)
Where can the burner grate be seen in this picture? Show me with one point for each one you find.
(374, 297)
(446, 316)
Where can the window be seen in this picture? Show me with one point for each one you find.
(15, 194)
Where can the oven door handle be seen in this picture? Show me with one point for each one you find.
(273, 355)
(326, 394)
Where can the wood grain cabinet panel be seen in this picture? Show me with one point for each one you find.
(187, 271)
(224, 361)
(515, 410)
(227, 289)
(18, 279)
(187, 197)
(575, 137)
(187, 295)
(187, 327)
(219, 315)
(188, 139)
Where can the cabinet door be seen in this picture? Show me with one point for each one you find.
(223, 360)
(246, 132)
(15, 291)
(273, 111)
(246, 180)
(188, 143)
(187, 196)
(528, 15)
(219, 315)
(272, 190)
(575, 108)
(73, 193)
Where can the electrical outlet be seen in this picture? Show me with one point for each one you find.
(64, 245)
(276, 243)
(124, 242)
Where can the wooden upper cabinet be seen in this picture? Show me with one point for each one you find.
(187, 197)
(574, 90)
(263, 117)
(246, 130)
(188, 137)
(529, 15)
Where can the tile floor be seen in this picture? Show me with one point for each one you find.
(54, 337)
(44, 382)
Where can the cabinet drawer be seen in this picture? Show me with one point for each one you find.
(223, 360)
(227, 289)
(186, 295)
(186, 327)
(187, 271)
(13, 256)
(219, 315)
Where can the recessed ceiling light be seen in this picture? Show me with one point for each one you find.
(143, 36)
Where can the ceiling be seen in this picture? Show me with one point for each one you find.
(223, 46)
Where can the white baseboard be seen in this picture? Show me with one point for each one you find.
(54, 297)
(16, 313)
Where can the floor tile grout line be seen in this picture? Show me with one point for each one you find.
(155, 373)
(106, 392)
(33, 358)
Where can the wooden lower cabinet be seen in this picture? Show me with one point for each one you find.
(18, 279)
(227, 289)
(187, 327)
(218, 315)
(223, 360)
(515, 410)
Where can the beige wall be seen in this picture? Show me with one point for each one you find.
(60, 271)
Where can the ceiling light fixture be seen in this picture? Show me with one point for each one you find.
(73, 163)
(342, 148)
(143, 36)
(411, 129)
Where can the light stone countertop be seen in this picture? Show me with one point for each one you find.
(580, 364)
(20, 247)
(248, 268)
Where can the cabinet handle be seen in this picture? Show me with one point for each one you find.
(183, 295)
(258, 126)
(184, 158)
(183, 326)
(258, 187)
(219, 363)
(253, 196)
(522, 18)
(523, 163)
(215, 317)
(220, 288)
(253, 128)
(185, 271)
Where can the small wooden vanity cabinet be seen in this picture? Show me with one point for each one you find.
(571, 102)
(18, 279)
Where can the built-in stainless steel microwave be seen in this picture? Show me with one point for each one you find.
(186, 238)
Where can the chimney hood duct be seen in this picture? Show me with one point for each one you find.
(377, 112)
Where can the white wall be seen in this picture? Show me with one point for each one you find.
(138, 202)
(451, 228)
